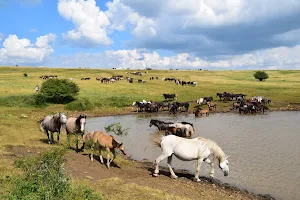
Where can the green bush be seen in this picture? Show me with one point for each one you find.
(59, 90)
(25, 74)
(80, 105)
(261, 75)
(44, 178)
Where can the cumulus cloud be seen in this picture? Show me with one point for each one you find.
(205, 27)
(276, 58)
(22, 51)
(89, 21)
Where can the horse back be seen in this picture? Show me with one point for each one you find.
(103, 139)
(71, 125)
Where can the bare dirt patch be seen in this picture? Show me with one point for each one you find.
(79, 166)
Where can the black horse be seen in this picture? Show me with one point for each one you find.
(160, 124)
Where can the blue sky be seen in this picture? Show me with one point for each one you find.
(207, 34)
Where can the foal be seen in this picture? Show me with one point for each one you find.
(106, 142)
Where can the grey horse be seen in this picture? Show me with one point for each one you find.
(53, 124)
(75, 126)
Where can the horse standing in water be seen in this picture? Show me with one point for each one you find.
(160, 124)
(187, 129)
(199, 149)
(53, 124)
(75, 126)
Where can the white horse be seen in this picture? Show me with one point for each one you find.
(191, 149)
(258, 98)
(185, 127)
(200, 101)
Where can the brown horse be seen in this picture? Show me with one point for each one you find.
(75, 126)
(212, 105)
(106, 142)
(199, 111)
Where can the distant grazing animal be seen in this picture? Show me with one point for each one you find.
(75, 126)
(170, 96)
(106, 142)
(53, 124)
(200, 101)
(199, 149)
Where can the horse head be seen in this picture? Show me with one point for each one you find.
(62, 118)
(80, 122)
(121, 147)
(225, 166)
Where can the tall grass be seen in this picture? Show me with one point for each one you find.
(44, 178)
(35, 100)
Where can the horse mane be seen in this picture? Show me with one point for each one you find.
(215, 149)
(77, 122)
(187, 123)
(56, 117)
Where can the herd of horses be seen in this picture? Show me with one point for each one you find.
(177, 141)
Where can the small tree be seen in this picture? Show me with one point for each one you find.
(261, 75)
(59, 91)
(116, 129)
(25, 74)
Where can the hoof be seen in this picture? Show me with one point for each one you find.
(155, 175)
(196, 179)
(174, 177)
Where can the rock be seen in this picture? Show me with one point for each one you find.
(23, 115)
(89, 177)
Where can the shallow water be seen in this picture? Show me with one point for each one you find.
(264, 149)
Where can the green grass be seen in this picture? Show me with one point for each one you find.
(44, 178)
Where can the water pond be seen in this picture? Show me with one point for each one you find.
(264, 149)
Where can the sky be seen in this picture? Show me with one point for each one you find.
(138, 34)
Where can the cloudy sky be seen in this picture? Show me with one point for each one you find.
(160, 34)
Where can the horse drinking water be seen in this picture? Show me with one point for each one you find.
(75, 126)
(53, 124)
(199, 149)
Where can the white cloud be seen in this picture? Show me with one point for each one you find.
(90, 23)
(22, 51)
(205, 27)
(277, 58)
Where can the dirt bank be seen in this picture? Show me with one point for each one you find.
(139, 173)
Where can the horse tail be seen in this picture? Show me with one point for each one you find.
(41, 126)
(157, 143)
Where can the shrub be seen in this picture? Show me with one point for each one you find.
(80, 105)
(25, 74)
(44, 178)
(116, 128)
(59, 91)
(261, 75)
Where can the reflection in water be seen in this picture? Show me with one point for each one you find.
(264, 150)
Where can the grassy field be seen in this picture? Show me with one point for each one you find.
(19, 120)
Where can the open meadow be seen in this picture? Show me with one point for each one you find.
(19, 128)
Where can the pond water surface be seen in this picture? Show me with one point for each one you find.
(264, 149)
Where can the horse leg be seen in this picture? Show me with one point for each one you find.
(114, 155)
(212, 169)
(173, 175)
(92, 151)
(108, 158)
(58, 137)
(100, 155)
(199, 162)
(76, 135)
(68, 140)
(160, 158)
(52, 140)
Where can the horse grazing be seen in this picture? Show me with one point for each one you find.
(187, 129)
(106, 142)
(160, 124)
(199, 149)
(53, 124)
(75, 126)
